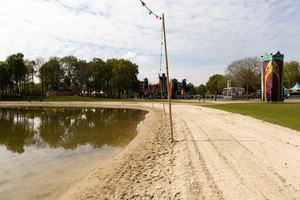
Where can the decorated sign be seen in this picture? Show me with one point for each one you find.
(272, 77)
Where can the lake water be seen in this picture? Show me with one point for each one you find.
(43, 151)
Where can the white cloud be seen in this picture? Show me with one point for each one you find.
(206, 34)
(139, 59)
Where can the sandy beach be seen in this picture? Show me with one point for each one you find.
(216, 155)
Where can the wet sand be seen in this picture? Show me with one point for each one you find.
(216, 155)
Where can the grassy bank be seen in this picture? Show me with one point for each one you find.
(287, 114)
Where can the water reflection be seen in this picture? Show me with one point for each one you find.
(67, 128)
(42, 151)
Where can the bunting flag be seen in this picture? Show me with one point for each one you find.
(157, 17)
(161, 50)
(150, 11)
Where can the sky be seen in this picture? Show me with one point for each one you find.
(203, 36)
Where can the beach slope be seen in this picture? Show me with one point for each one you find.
(216, 155)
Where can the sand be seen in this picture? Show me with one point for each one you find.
(216, 155)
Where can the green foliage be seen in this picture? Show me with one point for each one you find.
(125, 76)
(73, 88)
(29, 77)
(215, 84)
(98, 72)
(286, 114)
(84, 75)
(16, 68)
(4, 77)
(115, 77)
(291, 73)
(51, 73)
(201, 89)
(38, 90)
(68, 63)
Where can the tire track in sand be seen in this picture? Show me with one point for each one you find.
(231, 164)
(201, 183)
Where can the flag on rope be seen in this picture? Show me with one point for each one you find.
(150, 11)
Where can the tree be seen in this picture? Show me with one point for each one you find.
(201, 89)
(68, 63)
(39, 62)
(56, 72)
(108, 74)
(216, 83)
(51, 73)
(130, 72)
(73, 88)
(125, 76)
(4, 77)
(17, 68)
(42, 76)
(84, 74)
(98, 68)
(291, 73)
(245, 72)
(30, 64)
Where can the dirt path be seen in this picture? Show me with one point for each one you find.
(216, 155)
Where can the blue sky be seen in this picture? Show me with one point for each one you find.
(203, 36)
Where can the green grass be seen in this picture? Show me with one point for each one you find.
(283, 114)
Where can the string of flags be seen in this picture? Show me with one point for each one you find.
(157, 17)
(150, 11)
(161, 51)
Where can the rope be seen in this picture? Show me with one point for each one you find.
(161, 50)
(150, 11)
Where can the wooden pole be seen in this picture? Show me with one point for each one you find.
(163, 102)
(168, 84)
(161, 92)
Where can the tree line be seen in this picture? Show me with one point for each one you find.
(246, 73)
(114, 77)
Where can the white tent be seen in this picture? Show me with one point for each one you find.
(294, 92)
(296, 87)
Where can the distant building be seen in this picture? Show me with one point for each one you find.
(234, 93)
(59, 91)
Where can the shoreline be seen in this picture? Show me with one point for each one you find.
(134, 155)
(142, 137)
(216, 155)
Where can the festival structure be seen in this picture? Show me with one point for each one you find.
(146, 87)
(294, 92)
(178, 89)
(272, 77)
(186, 90)
(174, 88)
(233, 93)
